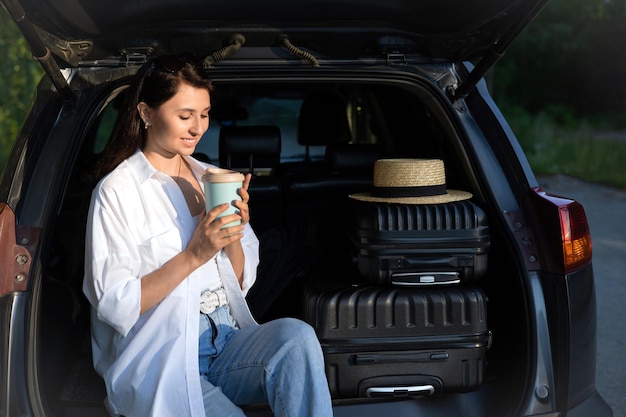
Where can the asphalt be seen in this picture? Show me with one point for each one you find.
(605, 208)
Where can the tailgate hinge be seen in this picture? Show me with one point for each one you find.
(525, 239)
(15, 259)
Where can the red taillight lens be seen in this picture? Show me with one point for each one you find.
(575, 235)
(561, 232)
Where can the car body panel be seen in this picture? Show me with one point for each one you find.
(451, 29)
(95, 33)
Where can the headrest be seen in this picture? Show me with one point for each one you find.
(249, 147)
(323, 120)
(352, 158)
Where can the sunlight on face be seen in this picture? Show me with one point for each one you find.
(178, 124)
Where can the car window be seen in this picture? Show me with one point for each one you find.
(375, 115)
(281, 112)
(105, 123)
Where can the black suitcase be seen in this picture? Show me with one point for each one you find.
(399, 341)
(420, 244)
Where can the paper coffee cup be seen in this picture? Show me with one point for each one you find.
(220, 186)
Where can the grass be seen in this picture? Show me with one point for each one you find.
(593, 153)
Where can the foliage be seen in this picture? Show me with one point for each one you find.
(19, 74)
(578, 148)
(560, 88)
(571, 55)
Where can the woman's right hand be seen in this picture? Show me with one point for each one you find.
(207, 240)
(211, 236)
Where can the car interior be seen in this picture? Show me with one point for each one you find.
(308, 147)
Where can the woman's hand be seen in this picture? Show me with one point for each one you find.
(235, 251)
(242, 206)
(208, 239)
(211, 236)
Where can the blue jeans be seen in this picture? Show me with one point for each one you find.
(279, 362)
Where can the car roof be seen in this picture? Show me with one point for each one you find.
(81, 31)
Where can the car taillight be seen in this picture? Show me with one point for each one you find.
(575, 235)
(562, 232)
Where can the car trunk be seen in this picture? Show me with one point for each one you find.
(298, 231)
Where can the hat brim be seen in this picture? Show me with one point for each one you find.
(449, 197)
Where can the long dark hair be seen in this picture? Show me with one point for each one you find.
(155, 83)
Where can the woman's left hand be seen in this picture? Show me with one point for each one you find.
(244, 210)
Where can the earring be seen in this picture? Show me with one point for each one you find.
(147, 125)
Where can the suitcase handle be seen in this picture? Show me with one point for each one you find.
(425, 278)
(413, 391)
(454, 261)
(369, 359)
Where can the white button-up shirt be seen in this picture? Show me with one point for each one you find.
(138, 220)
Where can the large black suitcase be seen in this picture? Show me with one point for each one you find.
(399, 341)
(420, 244)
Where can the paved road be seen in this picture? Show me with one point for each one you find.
(606, 211)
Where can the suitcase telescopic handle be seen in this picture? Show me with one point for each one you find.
(381, 358)
(410, 391)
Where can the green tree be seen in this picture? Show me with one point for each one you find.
(601, 88)
(571, 57)
(19, 75)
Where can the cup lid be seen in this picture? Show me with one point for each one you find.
(222, 175)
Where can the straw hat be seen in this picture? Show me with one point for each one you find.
(411, 181)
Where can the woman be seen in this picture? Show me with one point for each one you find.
(153, 253)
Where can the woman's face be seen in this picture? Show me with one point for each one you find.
(178, 124)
